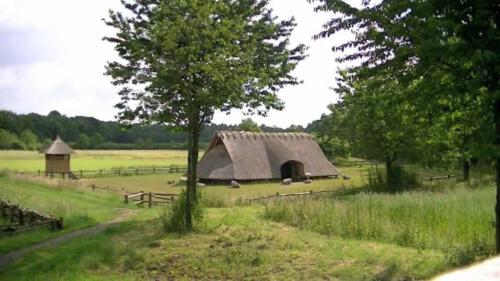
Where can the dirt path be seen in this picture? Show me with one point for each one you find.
(12, 256)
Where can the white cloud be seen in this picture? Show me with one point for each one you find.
(57, 61)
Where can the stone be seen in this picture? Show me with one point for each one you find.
(235, 184)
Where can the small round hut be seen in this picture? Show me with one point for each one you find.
(57, 157)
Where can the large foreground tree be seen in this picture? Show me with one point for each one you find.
(183, 60)
(426, 40)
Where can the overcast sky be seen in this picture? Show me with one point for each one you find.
(52, 58)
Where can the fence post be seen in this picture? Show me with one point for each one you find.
(154, 170)
(39, 172)
(81, 173)
(93, 187)
(126, 198)
(142, 198)
(137, 171)
(2, 210)
(119, 171)
(150, 203)
(100, 172)
(63, 175)
(20, 217)
(11, 213)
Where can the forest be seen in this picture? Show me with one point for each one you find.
(33, 131)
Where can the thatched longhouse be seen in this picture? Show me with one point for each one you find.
(57, 157)
(245, 156)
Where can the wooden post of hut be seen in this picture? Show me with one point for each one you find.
(57, 157)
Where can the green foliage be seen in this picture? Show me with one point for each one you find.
(174, 215)
(30, 140)
(9, 140)
(83, 141)
(101, 134)
(248, 125)
(401, 180)
(193, 58)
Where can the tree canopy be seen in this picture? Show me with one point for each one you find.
(181, 61)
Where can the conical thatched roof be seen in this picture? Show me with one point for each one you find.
(256, 156)
(58, 147)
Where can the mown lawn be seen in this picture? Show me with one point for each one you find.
(234, 244)
(79, 207)
(160, 183)
(31, 161)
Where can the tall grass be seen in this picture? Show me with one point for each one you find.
(459, 222)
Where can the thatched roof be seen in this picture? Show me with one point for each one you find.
(58, 147)
(255, 156)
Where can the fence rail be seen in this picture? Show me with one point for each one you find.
(281, 195)
(78, 174)
(434, 178)
(354, 163)
(22, 219)
(150, 198)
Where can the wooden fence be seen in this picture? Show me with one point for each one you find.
(434, 178)
(22, 219)
(354, 163)
(149, 198)
(297, 194)
(78, 174)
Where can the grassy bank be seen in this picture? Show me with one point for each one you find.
(79, 207)
(456, 221)
(235, 244)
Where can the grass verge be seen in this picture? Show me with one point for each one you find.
(235, 244)
(456, 221)
(79, 207)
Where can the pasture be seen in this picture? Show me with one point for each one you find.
(233, 243)
(353, 236)
(32, 161)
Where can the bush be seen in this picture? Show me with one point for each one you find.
(173, 217)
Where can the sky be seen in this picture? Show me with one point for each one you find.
(52, 57)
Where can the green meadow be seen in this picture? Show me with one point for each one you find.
(352, 234)
(32, 161)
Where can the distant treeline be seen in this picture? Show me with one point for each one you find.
(32, 131)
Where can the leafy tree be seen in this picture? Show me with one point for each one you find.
(248, 125)
(96, 140)
(83, 141)
(193, 58)
(380, 122)
(30, 140)
(331, 132)
(428, 40)
(9, 140)
(295, 128)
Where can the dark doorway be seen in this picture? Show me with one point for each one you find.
(292, 170)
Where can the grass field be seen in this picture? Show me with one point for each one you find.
(457, 221)
(159, 183)
(79, 207)
(31, 161)
(235, 244)
(361, 236)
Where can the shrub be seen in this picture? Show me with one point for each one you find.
(173, 217)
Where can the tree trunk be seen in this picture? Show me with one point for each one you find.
(192, 176)
(466, 169)
(389, 172)
(497, 143)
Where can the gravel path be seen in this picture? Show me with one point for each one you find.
(12, 256)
